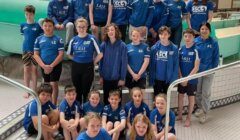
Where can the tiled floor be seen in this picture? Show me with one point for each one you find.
(222, 124)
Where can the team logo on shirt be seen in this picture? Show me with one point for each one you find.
(162, 55)
(86, 42)
(190, 53)
(54, 42)
(65, 7)
(61, 41)
(120, 4)
(100, 6)
(105, 1)
(140, 51)
(179, 7)
(209, 46)
(199, 9)
(186, 59)
(25, 27)
(145, 1)
(34, 29)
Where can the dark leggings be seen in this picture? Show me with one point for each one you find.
(82, 78)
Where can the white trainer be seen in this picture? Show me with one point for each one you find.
(203, 118)
(198, 112)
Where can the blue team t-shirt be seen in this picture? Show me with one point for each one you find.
(102, 135)
(176, 10)
(83, 49)
(120, 14)
(31, 111)
(132, 111)
(100, 9)
(80, 9)
(199, 13)
(30, 32)
(87, 107)
(114, 115)
(136, 55)
(70, 111)
(48, 47)
(187, 58)
(159, 120)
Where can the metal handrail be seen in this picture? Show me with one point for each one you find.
(28, 90)
(178, 81)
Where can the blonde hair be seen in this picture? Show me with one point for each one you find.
(94, 91)
(135, 89)
(92, 115)
(161, 95)
(79, 20)
(142, 118)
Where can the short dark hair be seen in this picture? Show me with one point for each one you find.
(164, 28)
(44, 87)
(29, 9)
(48, 20)
(118, 34)
(189, 31)
(69, 88)
(208, 25)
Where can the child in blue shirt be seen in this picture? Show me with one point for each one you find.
(48, 52)
(30, 30)
(113, 66)
(114, 117)
(188, 65)
(138, 60)
(100, 15)
(142, 128)
(50, 114)
(163, 63)
(69, 113)
(84, 51)
(157, 118)
(209, 58)
(199, 11)
(94, 130)
(177, 12)
(60, 11)
(93, 105)
(134, 107)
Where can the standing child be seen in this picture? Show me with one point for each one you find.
(30, 30)
(94, 130)
(138, 60)
(113, 66)
(163, 63)
(50, 115)
(48, 52)
(114, 116)
(142, 129)
(93, 105)
(136, 106)
(69, 113)
(157, 118)
(188, 65)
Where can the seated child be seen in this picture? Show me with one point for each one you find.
(94, 130)
(69, 113)
(142, 129)
(50, 115)
(135, 107)
(114, 116)
(93, 105)
(157, 118)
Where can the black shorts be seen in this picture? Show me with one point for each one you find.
(160, 87)
(190, 89)
(54, 75)
(100, 24)
(28, 59)
(130, 83)
(31, 129)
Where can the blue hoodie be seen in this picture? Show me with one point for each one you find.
(80, 9)
(60, 11)
(113, 65)
(160, 15)
(208, 53)
(141, 12)
(169, 64)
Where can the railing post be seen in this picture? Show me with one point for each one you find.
(28, 90)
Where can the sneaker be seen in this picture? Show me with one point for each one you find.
(198, 112)
(203, 118)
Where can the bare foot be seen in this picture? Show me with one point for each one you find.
(26, 95)
(179, 118)
(187, 123)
